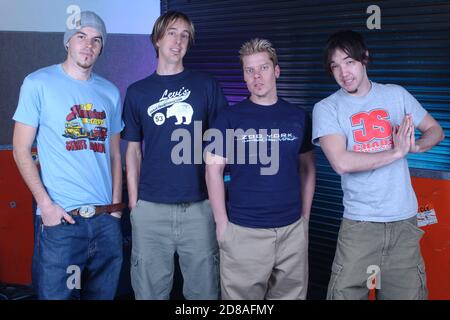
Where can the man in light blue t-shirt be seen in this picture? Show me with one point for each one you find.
(365, 130)
(75, 116)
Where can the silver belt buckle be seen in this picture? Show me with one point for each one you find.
(87, 211)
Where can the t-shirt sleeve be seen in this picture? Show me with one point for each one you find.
(130, 114)
(29, 106)
(216, 101)
(116, 122)
(413, 107)
(307, 145)
(325, 122)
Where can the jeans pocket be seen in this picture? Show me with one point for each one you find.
(110, 216)
(54, 227)
(336, 270)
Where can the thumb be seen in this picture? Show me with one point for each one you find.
(68, 218)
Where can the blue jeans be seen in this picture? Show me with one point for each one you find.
(80, 261)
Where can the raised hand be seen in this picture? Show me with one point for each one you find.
(402, 136)
(414, 148)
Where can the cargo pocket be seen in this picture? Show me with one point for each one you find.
(134, 261)
(423, 291)
(336, 270)
(135, 273)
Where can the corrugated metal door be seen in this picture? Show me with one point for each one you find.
(411, 49)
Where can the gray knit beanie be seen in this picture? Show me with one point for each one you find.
(86, 19)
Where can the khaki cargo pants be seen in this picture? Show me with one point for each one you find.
(384, 256)
(257, 264)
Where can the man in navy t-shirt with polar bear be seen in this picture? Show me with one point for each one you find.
(166, 183)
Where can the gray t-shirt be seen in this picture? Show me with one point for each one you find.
(384, 194)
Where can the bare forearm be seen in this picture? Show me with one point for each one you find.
(30, 175)
(216, 193)
(133, 163)
(358, 161)
(116, 166)
(308, 185)
(429, 139)
(307, 181)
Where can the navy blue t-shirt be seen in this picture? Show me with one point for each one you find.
(256, 200)
(154, 109)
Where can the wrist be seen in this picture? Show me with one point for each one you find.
(416, 149)
(132, 200)
(397, 154)
(221, 220)
(131, 204)
(45, 204)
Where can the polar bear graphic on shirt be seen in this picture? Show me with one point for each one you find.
(180, 110)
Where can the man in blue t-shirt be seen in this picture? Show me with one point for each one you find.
(262, 229)
(74, 115)
(365, 130)
(169, 111)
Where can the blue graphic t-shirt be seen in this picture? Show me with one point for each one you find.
(75, 120)
(170, 114)
(268, 200)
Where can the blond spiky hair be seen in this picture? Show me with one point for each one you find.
(257, 45)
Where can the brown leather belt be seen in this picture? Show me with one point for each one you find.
(90, 211)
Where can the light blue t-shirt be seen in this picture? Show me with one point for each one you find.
(384, 194)
(75, 120)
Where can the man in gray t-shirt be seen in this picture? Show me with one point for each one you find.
(365, 130)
